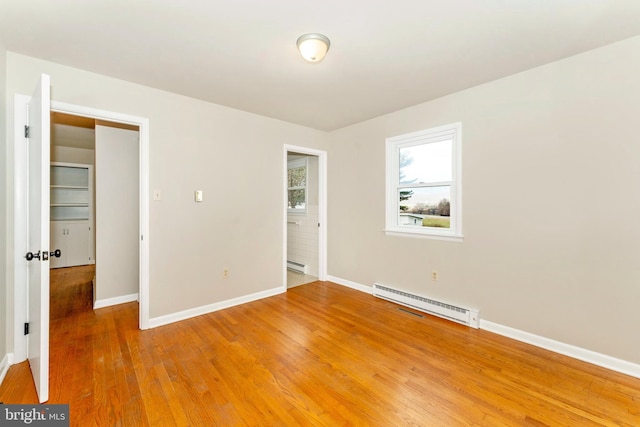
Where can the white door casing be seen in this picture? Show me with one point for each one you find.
(322, 210)
(38, 236)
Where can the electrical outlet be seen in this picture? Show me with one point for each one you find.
(225, 273)
(434, 275)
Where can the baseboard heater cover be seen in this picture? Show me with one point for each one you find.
(465, 316)
(297, 267)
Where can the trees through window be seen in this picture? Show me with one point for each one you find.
(423, 182)
(297, 185)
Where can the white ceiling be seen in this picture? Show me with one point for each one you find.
(385, 55)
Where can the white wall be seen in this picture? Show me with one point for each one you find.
(550, 202)
(117, 212)
(233, 156)
(5, 306)
(550, 205)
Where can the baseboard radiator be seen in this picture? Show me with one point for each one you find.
(297, 267)
(466, 316)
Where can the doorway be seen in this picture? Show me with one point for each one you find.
(305, 216)
(120, 120)
(21, 209)
(94, 204)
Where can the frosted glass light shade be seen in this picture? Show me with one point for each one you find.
(313, 47)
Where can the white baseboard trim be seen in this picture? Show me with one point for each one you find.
(206, 309)
(6, 362)
(350, 284)
(101, 303)
(579, 353)
(598, 359)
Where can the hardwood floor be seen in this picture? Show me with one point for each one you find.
(71, 292)
(319, 355)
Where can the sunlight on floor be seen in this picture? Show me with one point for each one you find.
(296, 279)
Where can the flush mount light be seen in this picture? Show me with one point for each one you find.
(313, 46)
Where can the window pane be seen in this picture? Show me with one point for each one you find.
(297, 177)
(426, 163)
(425, 207)
(297, 199)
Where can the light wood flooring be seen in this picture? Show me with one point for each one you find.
(318, 355)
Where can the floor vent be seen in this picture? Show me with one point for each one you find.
(465, 316)
(413, 313)
(297, 267)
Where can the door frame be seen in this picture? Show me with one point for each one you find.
(21, 209)
(322, 209)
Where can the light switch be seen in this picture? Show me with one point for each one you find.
(157, 195)
(198, 195)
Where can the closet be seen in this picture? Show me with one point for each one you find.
(94, 213)
(72, 201)
(71, 215)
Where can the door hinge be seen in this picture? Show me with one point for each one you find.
(26, 131)
(26, 328)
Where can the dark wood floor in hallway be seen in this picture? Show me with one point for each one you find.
(318, 355)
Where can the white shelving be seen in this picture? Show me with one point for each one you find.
(71, 213)
(70, 192)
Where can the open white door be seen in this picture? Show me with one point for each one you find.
(38, 239)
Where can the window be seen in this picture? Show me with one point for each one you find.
(423, 183)
(297, 185)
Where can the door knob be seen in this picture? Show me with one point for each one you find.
(57, 253)
(31, 255)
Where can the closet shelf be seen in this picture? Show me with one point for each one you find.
(71, 214)
(70, 187)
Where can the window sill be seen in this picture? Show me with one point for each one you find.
(446, 237)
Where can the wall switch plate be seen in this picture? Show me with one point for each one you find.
(198, 196)
(157, 195)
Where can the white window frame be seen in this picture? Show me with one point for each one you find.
(451, 132)
(293, 164)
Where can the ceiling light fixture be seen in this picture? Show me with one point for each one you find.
(313, 46)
